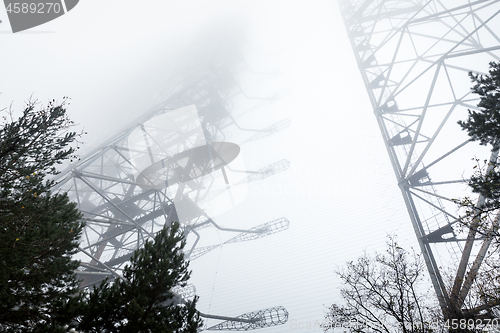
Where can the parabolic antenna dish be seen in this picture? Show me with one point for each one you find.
(188, 165)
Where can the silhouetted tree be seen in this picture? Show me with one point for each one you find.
(481, 217)
(483, 125)
(39, 232)
(384, 293)
(142, 301)
(38, 229)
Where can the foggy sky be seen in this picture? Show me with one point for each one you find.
(113, 59)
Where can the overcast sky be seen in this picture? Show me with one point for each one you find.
(113, 59)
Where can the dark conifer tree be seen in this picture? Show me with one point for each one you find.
(484, 126)
(142, 300)
(39, 232)
(38, 229)
(481, 217)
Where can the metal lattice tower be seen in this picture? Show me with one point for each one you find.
(414, 57)
(256, 319)
(178, 162)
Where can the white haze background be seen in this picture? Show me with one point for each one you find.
(113, 58)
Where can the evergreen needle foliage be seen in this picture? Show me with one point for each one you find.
(481, 217)
(38, 229)
(142, 300)
(39, 232)
(484, 125)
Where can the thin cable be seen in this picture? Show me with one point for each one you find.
(215, 278)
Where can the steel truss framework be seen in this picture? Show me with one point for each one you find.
(163, 168)
(256, 319)
(414, 57)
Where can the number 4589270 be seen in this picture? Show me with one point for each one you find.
(25, 7)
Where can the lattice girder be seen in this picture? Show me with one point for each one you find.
(414, 57)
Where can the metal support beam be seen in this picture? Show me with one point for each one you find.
(414, 56)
